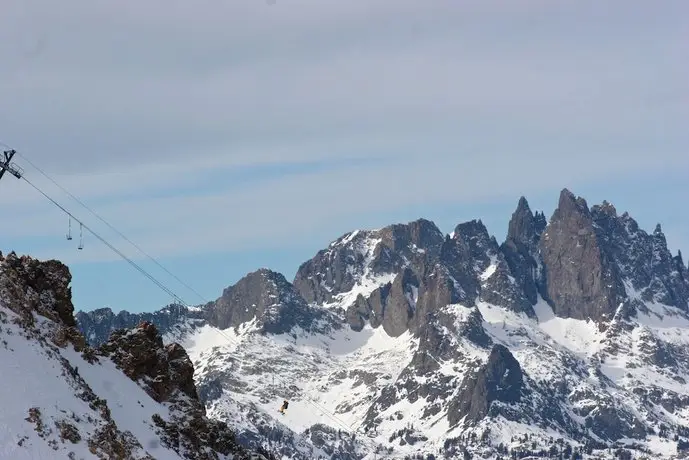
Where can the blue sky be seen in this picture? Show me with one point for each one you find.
(226, 136)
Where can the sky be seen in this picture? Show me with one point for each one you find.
(225, 136)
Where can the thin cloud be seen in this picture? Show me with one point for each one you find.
(148, 111)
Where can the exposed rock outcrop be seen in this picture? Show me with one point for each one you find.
(161, 370)
(167, 375)
(391, 305)
(500, 379)
(29, 286)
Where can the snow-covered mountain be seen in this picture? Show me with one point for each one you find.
(568, 340)
(131, 398)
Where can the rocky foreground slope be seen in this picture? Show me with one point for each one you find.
(133, 397)
(570, 339)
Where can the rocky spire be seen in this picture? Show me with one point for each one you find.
(521, 247)
(522, 228)
(580, 282)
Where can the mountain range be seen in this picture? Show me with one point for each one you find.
(570, 339)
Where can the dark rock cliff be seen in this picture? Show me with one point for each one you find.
(521, 248)
(392, 305)
(167, 375)
(592, 258)
(500, 379)
(581, 280)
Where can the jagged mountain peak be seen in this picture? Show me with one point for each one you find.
(523, 205)
(475, 249)
(97, 325)
(473, 229)
(523, 228)
(421, 232)
(103, 312)
(606, 208)
(361, 261)
(594, 261)
(658, 231)
(580, 281)
(571, 206)
(520, 248)
(266, 278)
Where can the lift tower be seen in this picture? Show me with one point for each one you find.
(11, 168)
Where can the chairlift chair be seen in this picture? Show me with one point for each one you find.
(81, 236)
(69, 229)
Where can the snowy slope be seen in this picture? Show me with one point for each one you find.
(328, 380)
(59, 387)
(132, 398)
(333, 380)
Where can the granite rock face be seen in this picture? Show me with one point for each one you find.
(581, 280)
(269, 299)
(391, 305)
(594, 261)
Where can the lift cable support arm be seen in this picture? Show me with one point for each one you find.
(11, 168)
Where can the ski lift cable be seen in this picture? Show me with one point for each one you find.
(161, 285)
(104, 241)
(79, 201)
(99, 217)
(94, 213)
